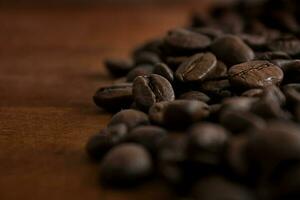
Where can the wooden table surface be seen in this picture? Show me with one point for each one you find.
(50, 66)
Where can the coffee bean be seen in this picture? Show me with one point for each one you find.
(206, 142)
(175, 62)
(271, 55)
(118, 67)
(217, 89)
(220, 72)
(195, 95)
(211, 32)
(257, 92)
(153, 45)
(217, 187)
(232, 50)
(197, 67)
(148, 136)
(185, 40)
(182, 113)
(238, 103)
(146, 57)
(257, 42)
(148, 90)
(131, 118)
(114, 97)
(163, 70)
(156, 112)
(141, 70)
(289, 45)
(292, 92)
(255, 74)
(98, 145)
(126, 164)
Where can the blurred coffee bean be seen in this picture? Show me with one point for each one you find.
(156, 112)
(255, 74)
(114, 97)
(148, 136)
(292, 92)
(217, 89)
(146, 57)
(257, 42)
(253, 93)
(163, 70)
(131, 118)
(153, 45)
(126, 164)
(118, 67)
(141, 70)
(175, 62)
(238, 103)
(271, 55)
(211, 32)
(99, 144)
(195, 95)
(232, 50)
(219, 188)
(197, 67)
(182, 113)
(206, 142)
(288, 44)
(148, 90)
(220, 72)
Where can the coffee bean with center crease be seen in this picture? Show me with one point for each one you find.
(255, 74)
(163, 70)
(99, 144)
(185, 40)
(197, 67)
(114, 97)
(131, 118)
(232, 50)
(182, 113)
(125, 165)
(148, 90)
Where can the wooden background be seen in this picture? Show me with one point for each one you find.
(50, 66)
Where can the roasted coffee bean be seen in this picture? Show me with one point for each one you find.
(255, 74)
(153, 45)
(99, 144)
(271, 55)
(119, 68)
(217, 89)
(126, 164)
(185, 40)
(114, 97)
(254, 41)
(148, 136)
(175, 62)
(206, 142)
(182, 113)
(241, 121)
(195, 95)
(277, 143)
(141, 70)
(146, 57)
(257, 92)
(148, 90)
(291, 69)
(163, 70)
(131, 118)
(238, 103)
(289, 45)
(197, 67)
(156, 112)
(292, 92)
(219, 73)
(232, 50)
(211, 32)
(217, 187)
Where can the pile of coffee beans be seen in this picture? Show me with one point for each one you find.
(212, 108)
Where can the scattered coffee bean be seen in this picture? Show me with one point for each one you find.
(163, 70)
(289, 45)
(195, 95)
(255, 74)
(119, 68)
(114, 97)
(126, 164)
(148, 90)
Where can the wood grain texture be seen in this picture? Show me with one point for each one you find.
(50, 66)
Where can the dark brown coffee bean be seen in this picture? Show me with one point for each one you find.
(211, 32)
(254, 41)
(217, 89)
(195, 95)
(217, 187)
(126, 164)
(277, 143)
(156, 112)
(185, 40)
(232, 50)
(206, 142)
(291, 69)
(255, 74)
(238, 103)
(119, 68)
(257, 92)
(289, 45)
(292, 92)
(146, 57)
(148, 90)
(197, 67)
(240, 121)
(148, 136)
(182, 113)
(153, 45)
(271, 55)
(141, 70)
(220, 72)
(175, 62)
(98, 145)
(131, 118)
(114, 97)
(163, 70)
